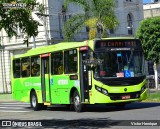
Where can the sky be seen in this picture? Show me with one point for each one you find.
(146, 1)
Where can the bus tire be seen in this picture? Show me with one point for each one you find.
(69, 107)
(34, 102)
(77, 102)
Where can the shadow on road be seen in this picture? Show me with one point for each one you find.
(81, 123)
(105, 108)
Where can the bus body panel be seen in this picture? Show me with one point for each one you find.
(23, 86)
(61, 86)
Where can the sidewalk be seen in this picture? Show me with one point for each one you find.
(152, 91)
(6, 98)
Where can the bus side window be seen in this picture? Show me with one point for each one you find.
(25, 67)
(35, 66)
(57, 63)
(70, 59)
(16, 68)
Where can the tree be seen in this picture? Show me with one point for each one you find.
(13, 18)
(149, 33)
(98, 15)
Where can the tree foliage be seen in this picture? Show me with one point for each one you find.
(101, 11)
(12, 19)
(149, 33)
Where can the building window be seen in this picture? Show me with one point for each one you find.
(117, 3)
(130, 24)
(70, 61)
(87, 29)
(111, 31)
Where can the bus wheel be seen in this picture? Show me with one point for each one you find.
(34, 101)
(77, 102)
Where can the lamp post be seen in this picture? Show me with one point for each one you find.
(43, 18)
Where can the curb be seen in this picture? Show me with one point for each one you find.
(150, 101)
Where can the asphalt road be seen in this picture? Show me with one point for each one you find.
(133, 116)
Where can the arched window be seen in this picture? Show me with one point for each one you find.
(130, 24)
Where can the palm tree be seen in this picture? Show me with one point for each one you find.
(98, 16)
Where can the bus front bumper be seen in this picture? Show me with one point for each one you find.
(117, 98)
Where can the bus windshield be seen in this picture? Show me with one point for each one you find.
(119, 64)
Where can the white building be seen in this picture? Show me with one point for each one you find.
(152, 9)
(128, 12)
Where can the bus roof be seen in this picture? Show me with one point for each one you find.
(51, 48)
(64, 45)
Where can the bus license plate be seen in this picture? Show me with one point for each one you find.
(126, 97)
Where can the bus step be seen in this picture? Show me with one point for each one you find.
(85, 102)
(47, 103)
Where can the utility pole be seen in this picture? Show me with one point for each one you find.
(43, 18)
(34, 42)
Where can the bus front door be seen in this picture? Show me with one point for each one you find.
(84, 77)
(45, 77)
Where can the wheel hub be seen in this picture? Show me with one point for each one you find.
(77, 101)
(33, 101)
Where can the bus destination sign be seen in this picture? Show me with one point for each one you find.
(116, 44)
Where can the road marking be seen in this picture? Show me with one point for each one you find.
(13, 111)
(10, 107)
(15, 103)
(14, 107)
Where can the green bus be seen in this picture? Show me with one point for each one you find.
(100, 71)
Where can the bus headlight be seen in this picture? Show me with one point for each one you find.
(98, 88)
(103, 91)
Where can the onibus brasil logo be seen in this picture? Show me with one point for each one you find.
(13, 5)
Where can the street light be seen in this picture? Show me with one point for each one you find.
(43, 18)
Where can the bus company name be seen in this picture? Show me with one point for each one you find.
(32, 84)
(119, 44)
(63, 82)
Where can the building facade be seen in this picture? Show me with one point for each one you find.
(128, 12)
(151, 9)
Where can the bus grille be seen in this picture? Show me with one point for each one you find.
(120, 96)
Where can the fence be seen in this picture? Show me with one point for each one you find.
(150, 83)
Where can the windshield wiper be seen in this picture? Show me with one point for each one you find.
(131, 55)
